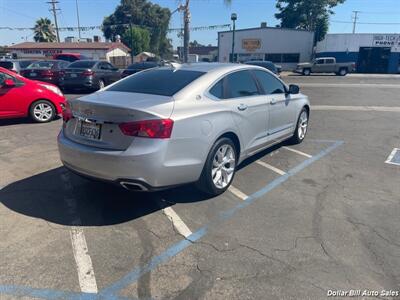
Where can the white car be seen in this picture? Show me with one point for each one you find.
(173, 125)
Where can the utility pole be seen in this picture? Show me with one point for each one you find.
(186, 31)
(233, 18)
(79, 23)
(355, 18)
(129, 15)
(54, 10)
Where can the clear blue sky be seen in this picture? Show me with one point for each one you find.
(23, 13)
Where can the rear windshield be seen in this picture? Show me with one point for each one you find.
(142, 66)
(25, 63)
(67, 57)
(156, 82)
(6, 64)
(82, 64)
(41, 65)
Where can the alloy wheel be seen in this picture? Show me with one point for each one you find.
(43, 112)
(223, 167)
(303, 124)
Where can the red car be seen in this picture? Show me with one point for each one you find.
(21, 97)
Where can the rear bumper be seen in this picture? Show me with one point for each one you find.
(79, 83)
(148, 162)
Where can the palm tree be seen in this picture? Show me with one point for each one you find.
(44, 31)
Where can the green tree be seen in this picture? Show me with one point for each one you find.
(44, 31)
(142, 13)
(138, 39)
(306, 14)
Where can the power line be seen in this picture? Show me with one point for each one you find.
(364, 23)
(54, 10)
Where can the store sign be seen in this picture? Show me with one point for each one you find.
(46, 52)
(251, 44)
(386, 40)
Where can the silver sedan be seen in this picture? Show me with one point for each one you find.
(180, 124)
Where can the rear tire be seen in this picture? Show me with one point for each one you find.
(301, 128)
(219, 168)
(306, 72)
(342, 72)
(42, 111)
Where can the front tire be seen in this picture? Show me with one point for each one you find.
(219, 168)
(42, 111)
(301, 127)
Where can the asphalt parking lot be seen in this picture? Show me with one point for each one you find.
(300, 220)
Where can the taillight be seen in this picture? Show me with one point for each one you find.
(87, 73)
(67, 113)
(156, 129)
(46, 73)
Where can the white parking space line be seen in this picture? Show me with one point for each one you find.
(87, 280)
(238, 193)
(297, 151)
(272, 168)
(391, 155)
(177, 222)
(84, 266)
(357, 108)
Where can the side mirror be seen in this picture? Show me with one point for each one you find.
(294, 89)
(8, 83)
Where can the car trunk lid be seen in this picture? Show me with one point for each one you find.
(96, 117)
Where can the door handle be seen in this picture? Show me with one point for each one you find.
(242, 107)
(273, 101)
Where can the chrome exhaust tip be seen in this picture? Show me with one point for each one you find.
(133, 186)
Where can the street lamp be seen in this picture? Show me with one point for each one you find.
(233, 18)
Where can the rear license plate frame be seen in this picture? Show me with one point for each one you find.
(90, 130)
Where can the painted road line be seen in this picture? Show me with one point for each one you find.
(136, 273)
(395, 152)
(363, 85)
(297, 151)
(84, 266)
(87, 280)
(177, 222)
(272, 168)
(238, 193)
(357, 108)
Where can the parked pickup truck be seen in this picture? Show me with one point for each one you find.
(325, 65)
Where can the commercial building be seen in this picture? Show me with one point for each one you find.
(283, 46)
(111, 52)
(372, 52)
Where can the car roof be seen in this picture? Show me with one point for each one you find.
(210, 67)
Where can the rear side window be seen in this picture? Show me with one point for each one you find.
(241, 84)
(218, 90)
(269, 83)
(82, 64)
(7, 64)
(329, 61)
(156, 82)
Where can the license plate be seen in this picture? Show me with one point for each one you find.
(74, 75)
(90, 130)
(33, 74)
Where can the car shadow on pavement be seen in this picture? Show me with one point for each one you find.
(17, 121)
(61, 197)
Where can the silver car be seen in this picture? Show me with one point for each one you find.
(180, 124)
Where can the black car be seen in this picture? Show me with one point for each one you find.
(46, 70)
(140, 66)
(15, 65)
(89, 74)
(269, 65)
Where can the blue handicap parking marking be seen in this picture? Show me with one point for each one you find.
(112, 291)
